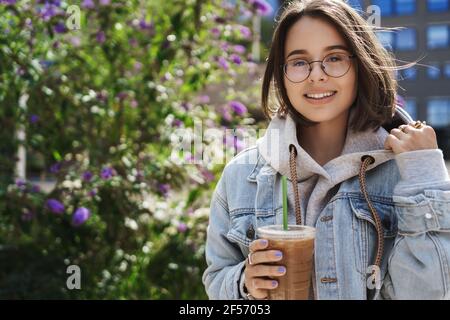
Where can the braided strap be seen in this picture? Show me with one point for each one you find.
(366, 161)
(293, 172)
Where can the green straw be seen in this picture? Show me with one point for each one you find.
(285, 208)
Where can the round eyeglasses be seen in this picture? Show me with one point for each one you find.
(335, 65)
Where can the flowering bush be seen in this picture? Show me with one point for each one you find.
(97, 104)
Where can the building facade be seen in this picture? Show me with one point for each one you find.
(425, 35)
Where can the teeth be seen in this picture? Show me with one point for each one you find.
(320, 95)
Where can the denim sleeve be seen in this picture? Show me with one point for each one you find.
(419, 264)
(225, 262)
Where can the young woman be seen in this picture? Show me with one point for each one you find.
(376, 194)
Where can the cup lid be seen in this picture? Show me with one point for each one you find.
(293, 232)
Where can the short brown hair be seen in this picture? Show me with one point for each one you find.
(377, 85)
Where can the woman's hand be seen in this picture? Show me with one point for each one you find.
(408, 138)
(258, 272)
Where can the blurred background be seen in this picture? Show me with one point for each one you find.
(94, 96)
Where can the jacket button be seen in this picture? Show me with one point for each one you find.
(250, 232)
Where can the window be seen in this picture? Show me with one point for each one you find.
(438, 5)
(386, 6)
(356, 4)
(406, 39)
(439, 112)
(396, 7)
(410, 73)
(387, 39)
(438, 36)
(447, 70)
(405, 7)
(411, 108)
(433, 70)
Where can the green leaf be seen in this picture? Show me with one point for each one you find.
(57, 155)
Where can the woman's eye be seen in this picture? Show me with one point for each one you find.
(334, 59)
(299, 63)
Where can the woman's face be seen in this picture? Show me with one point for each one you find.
(312, 39)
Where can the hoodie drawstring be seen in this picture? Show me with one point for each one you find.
(365, 162)
(293, 172)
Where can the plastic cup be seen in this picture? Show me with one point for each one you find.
(297, 246)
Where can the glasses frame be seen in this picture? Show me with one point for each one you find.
(349, 56)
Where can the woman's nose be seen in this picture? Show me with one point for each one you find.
(317, 73)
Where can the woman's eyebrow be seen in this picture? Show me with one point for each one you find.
(329, 48)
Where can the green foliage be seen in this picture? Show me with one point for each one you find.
(98, 106)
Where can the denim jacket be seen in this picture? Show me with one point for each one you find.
(410, 191)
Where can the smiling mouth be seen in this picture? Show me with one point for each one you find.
(320, 96)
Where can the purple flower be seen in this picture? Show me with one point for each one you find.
(35, 188)
(87, 176)
(107, 173)
(238, 107)
(102, 95)
(146, 26)
(220, 20)
(186, 106)
(55, 206)
(204, 99)
(105, 2)
(236, 59)
(21, 184)
(48, 12)
(164, 188)
(137, 66)
(34, 118)
(177, 123)
(233, 142)
(182, 227)
(8, 2)
(133, 104)
(100, 37)
(239, 49)
(224, 46)
(80, 216)
(60, 28)
(75, 41)
(215, 32)
(262, 7)
(88, 4)
(56, 167)
(122, 95)
(245, 32)
(223, 63)
(133, 42)
(226, 114)
(207, 175)
(92, 193)
(27, 215)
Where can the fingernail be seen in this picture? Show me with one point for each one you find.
(274, 283)
(264, 242)
(281, 269)
(278, 254)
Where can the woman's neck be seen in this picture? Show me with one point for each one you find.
(324, 141)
